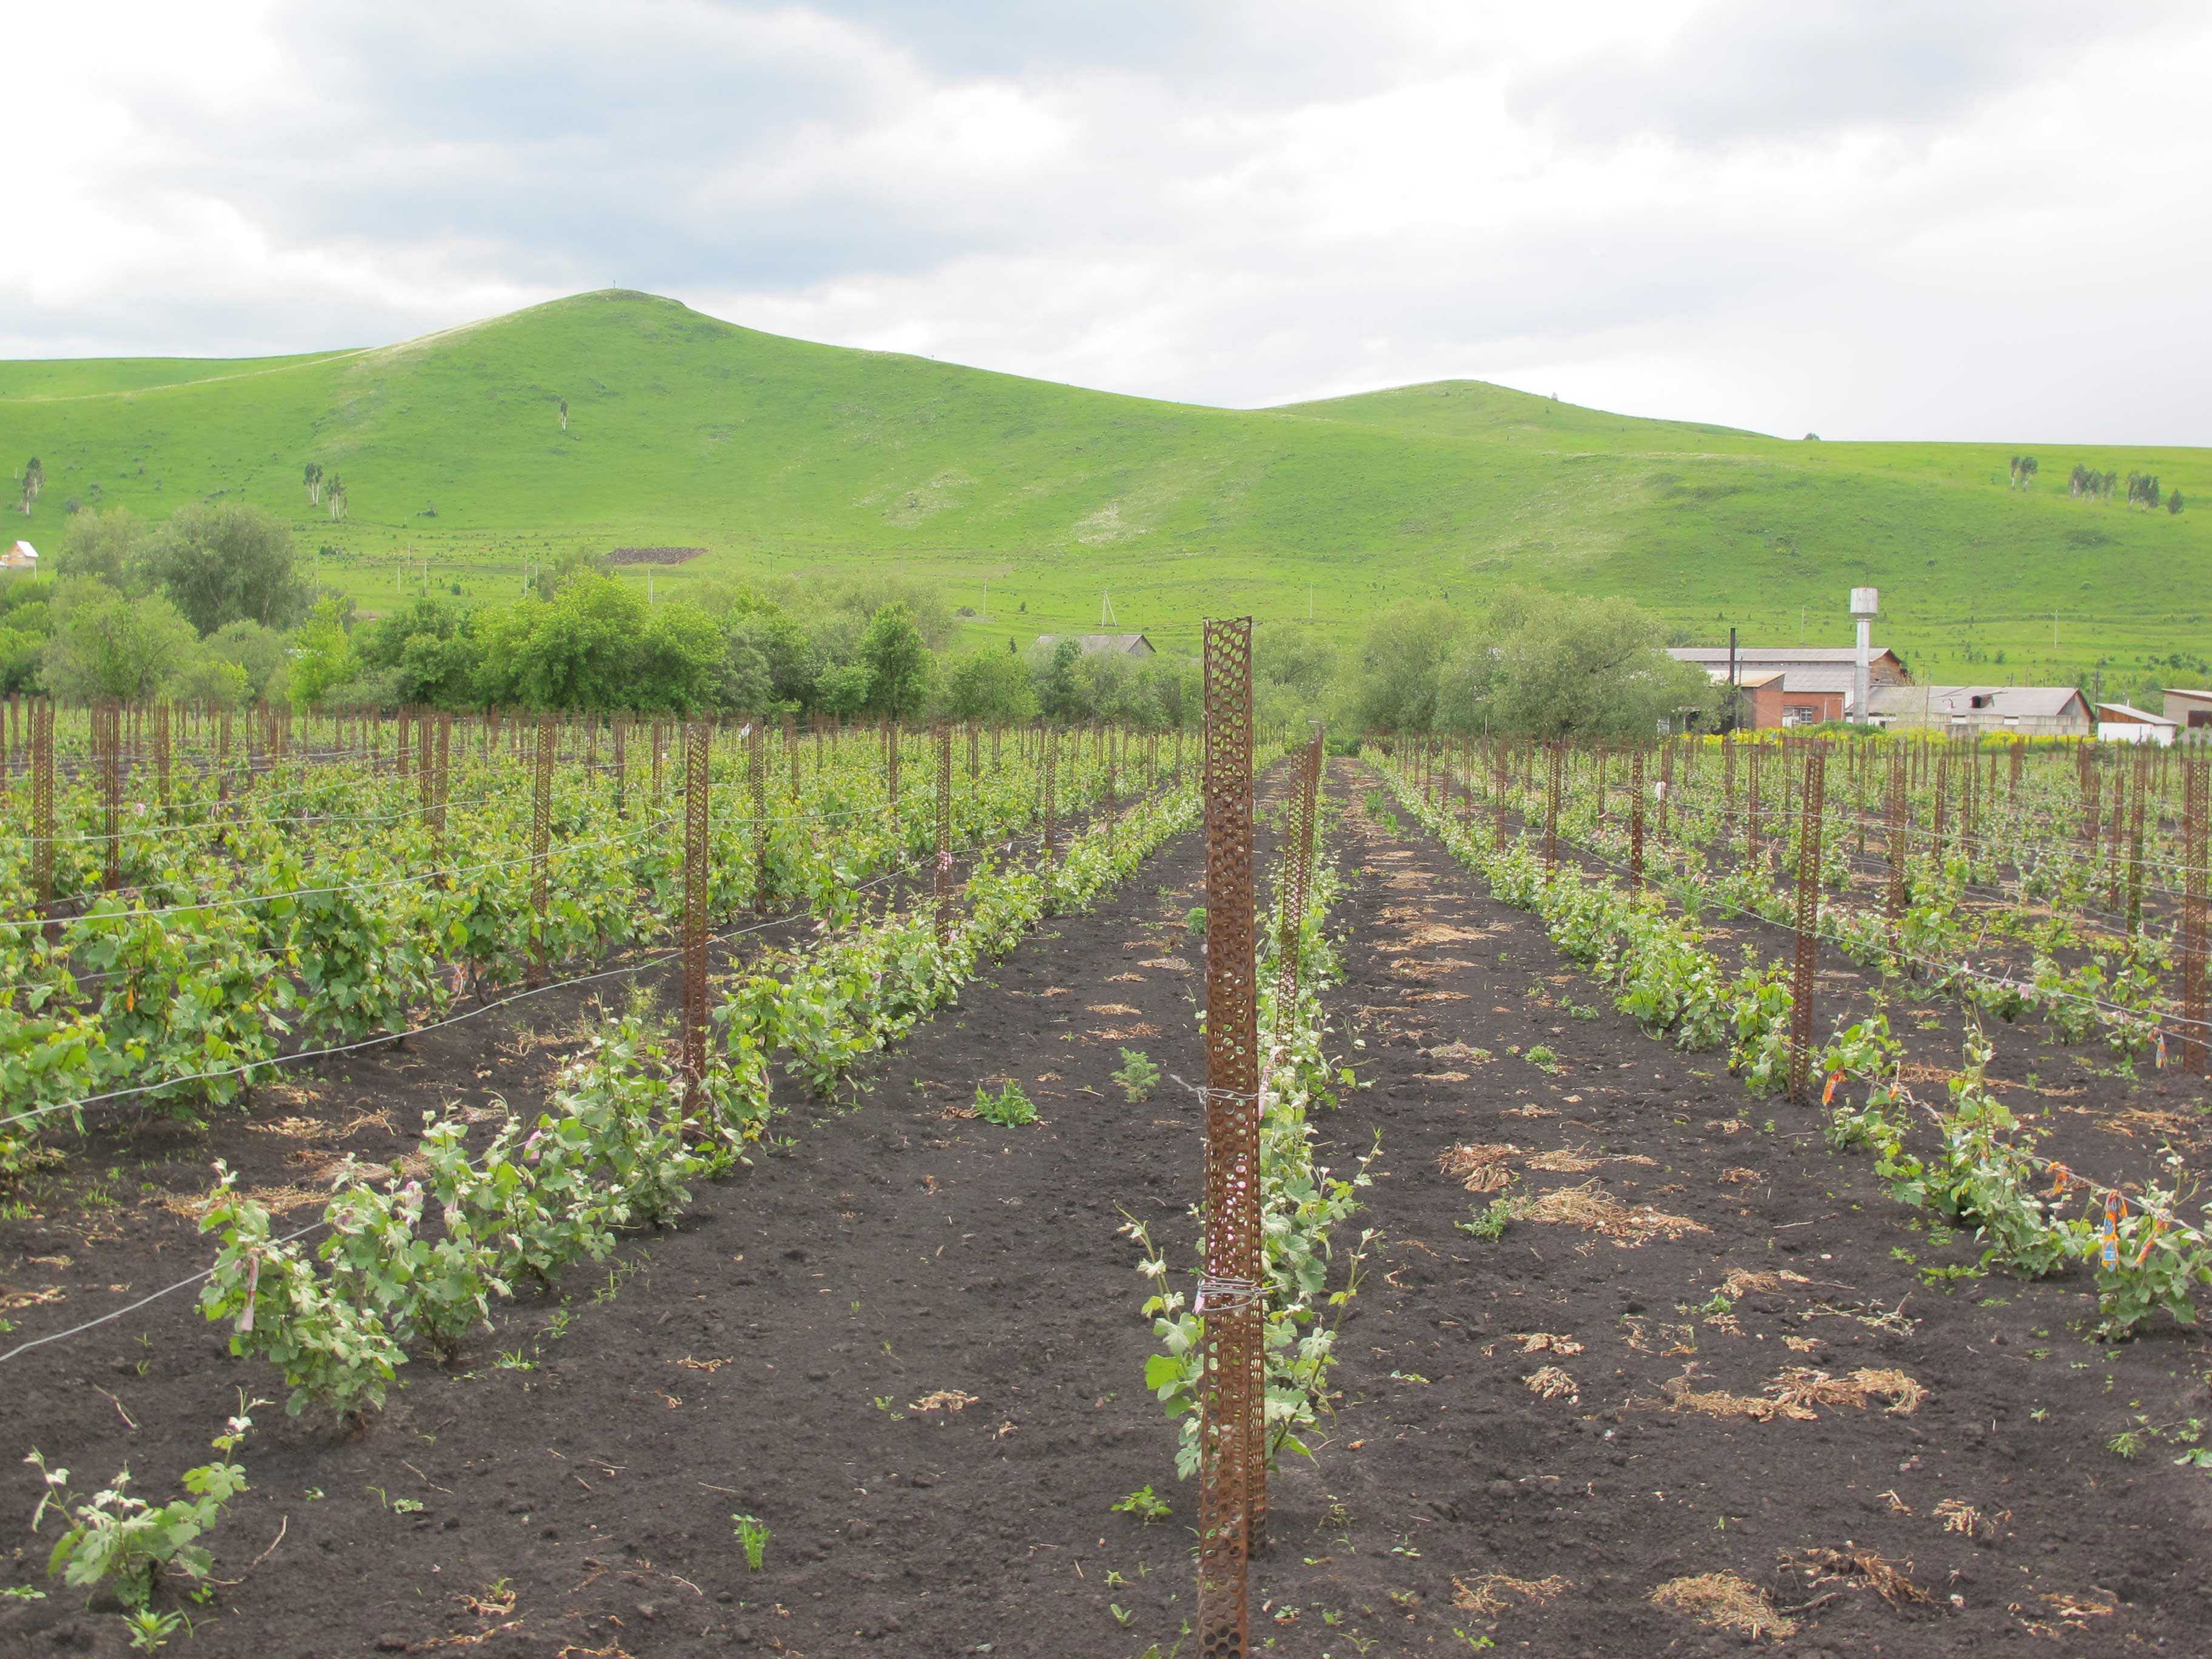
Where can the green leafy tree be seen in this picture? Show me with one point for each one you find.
(262, 655)
(107, 644)
(1397, 668)
(843, 690)
(897, 662)
(680, 661)
(990, 685)
(103, 545)
(1586, 667)
(1059, 695)
(224, 563)
(2173, 504)
(322, 654)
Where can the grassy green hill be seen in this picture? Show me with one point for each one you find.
(779, 455)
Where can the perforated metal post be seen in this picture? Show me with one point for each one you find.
(943, 833)
(1665, 784)
(1303, 803)
(2113, 881)
(2195, 784)
(1893, 903)
(42, 805)
(891, 769)
(1230, 1294)
(1636, 821)
(1554, 776)
(107, 760)
(1047, 740)
(541, 828)
(756, 778)
(697, 738)
(2136, 841)
(622, 767)
(1500, 766)
(659, 749)
(1751, 843)
(1809, 922)
(161, 757)
(426, 737)
(444, 771)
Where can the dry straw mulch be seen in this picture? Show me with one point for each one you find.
(1488, 1594)
(1724, 1601)
(1885, 1577)
(1478, 1165)
(1550, 1382)
(1590, 1208)
(1794, 1392)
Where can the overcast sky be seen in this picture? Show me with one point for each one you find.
(1868, 218)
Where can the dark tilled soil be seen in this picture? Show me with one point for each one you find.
(1444, 1467)
(909, 1344)
(906, 1342)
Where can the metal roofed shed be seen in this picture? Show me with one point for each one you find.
(1091, 645)
(21, 557)
(2191, 710)
(2033, 711)
(2118, 722)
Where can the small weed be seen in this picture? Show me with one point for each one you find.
(1543, 1059)
(1489, 1221)
(1195, 919)
(753, 1535)
(1146, 1505)
(1138, 1077)
(1123, 1616)
(150, 1630)
(1010, 1109)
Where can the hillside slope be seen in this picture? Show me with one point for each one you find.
(777, 454)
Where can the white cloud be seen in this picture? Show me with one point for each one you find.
(1866, 217)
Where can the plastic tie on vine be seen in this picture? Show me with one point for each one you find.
(1828, 1094)
(2157, 1225)
(253, 1286)
(1228, 1295)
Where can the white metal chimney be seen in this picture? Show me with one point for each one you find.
(1866, 605)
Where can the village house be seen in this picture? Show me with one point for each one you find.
(21, 557)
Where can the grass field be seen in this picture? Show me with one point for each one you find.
(781, 456)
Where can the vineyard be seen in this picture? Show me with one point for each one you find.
(555, 1186)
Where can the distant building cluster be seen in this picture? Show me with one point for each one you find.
(1806, 685)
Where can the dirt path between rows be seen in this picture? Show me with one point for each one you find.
(1551, 1518)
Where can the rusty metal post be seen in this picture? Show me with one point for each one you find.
(541, 830)
(659, 749)
(1229, 1292)
(1554, 777)
(891, 769)
(1500, 766)
(1752, 855)
(107, 762)
(1636, 821)
(945, 832)
(2113, 878)
(698, 736)
(426, 786)
(443, 770)
(1894, 906)
(42, 805)
(622, 765)
(1049, 742)
(1809, 922)
(2136, 841)
(756, 778)
(161, 757)
(1666, 785)
(2195, 782)
(1302, 805)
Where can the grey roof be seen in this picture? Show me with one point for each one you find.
(1128, 644)
(1806, 668)
(2028, 703)
(2182, 691)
